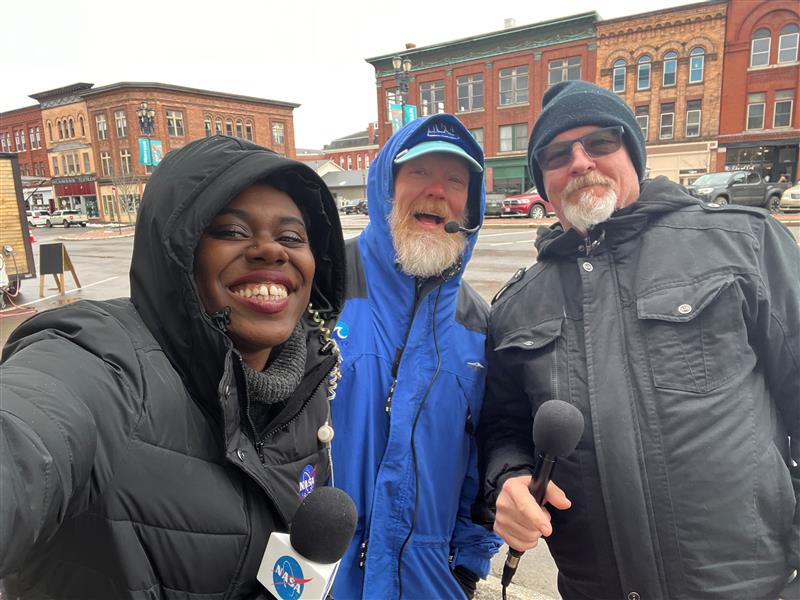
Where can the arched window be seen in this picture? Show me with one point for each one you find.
(207, 125)
(787, 44)
(670, 74)
(83, 127)
(619, 76)
(366, 161)
(643, 73)
(759, 48)
(71, 124)
(358, 162)
(248, 130)
(218, 126)
(697, 60)
(50, 130)
(229, 127)
(60, 130)
(239, 130)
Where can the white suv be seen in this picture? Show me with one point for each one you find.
(37, 218)
(66, 218)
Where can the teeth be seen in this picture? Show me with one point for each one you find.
(271, 291)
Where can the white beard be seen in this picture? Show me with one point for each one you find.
(423, 253)
(590, 209)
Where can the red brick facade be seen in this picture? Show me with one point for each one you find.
(22, 131)
(761, 70)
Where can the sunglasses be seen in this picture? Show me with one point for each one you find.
(597, 143)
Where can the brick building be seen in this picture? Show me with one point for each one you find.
(355, 151)
(494, 83)
(125, 152)
(69, 148)
(760, 125)
(22, 132)
(667, 66)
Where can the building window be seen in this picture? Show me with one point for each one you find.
(60, 130)
(693, 113)
(175, 123)
(514, 86)
(3, 143)
(669, 77)
(513, 137)
(32, 138)
(564, 69)
(125, 162)
(39, 138)
(478, 135)
(87, 167)
(64, 164)
(787, 44)
(469, 91)
(755, 110)
(643, 74)
(105, 164)
(101, 125)
(759, 48)
(83, 126)
(55, 166)
(228, 127)
(349, 163)
(782, 116)
(618, 78)
(432, 97)
(393, 97)
(121, 122)
(218, 126)
(277, 134)
(643, 119)
(366, 161)
(72, 166)
(248, 131)
(36, 169)
(667, 121)
(239, 129)
(71, 126)
(697, 59)
(21, 145)
(50, 130)
(207, 125)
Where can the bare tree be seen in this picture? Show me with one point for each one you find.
(127, 186)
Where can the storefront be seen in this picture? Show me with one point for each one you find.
(773, 159)
(508, 176)
(681, 163)
(76, 193)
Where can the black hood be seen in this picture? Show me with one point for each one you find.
(190, 186)
(656, 197)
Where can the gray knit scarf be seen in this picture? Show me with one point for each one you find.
(279, 379)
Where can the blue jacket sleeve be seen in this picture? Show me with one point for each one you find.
(473, 545)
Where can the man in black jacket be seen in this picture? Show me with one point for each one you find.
(674, 326)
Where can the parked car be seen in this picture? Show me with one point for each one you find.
(37, 218)
(494, 205)
(738, 187)
(528, 204)
(790, 200)
(66, 218)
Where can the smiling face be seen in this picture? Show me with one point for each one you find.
(255, 257)
(429, 191)
(586, 190)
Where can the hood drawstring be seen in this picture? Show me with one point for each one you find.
(222, 319)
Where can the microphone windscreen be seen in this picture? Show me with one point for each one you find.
(452, 227)
(323, 525)
(557, 428)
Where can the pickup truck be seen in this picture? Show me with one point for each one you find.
(66, 218)
(738, 187)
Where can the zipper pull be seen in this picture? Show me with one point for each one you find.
(362, 553)
(260, 451)
(388, 406)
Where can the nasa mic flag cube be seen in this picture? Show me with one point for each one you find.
(289, 576)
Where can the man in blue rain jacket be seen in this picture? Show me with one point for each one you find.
(412, 337)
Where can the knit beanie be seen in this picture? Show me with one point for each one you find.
(572, 104)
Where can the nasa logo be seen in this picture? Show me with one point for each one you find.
(307, 480)
(341, 331)
(287, 576)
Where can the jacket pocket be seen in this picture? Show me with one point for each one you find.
(532, 337)
(692, 332)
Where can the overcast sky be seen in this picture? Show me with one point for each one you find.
(305, 51)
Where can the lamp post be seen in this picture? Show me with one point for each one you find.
(147, 118)
(402, 70)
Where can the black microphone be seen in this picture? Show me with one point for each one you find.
(557, 428)
(303, 563)
(454, 227)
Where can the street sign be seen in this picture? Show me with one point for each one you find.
(409, 113)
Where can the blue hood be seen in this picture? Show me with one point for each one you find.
(380, 187)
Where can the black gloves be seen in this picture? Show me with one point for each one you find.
(467, 580)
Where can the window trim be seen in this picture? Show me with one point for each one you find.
(469, 84)
(644, 61)
(514, 137)
(674, 60)
(435, 86)
(697, 55)
(619, 65)
(768, 50)
(661, 125)
(775, 112)
(516, 91)
(699, 112)
(781, 37)
(750, 105)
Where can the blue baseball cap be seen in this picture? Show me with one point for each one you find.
(437, 146)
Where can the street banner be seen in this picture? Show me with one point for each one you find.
(156, 152)
(396, 116)
(145, 157)
(409, 113)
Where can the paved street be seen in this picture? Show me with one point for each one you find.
(503, 247)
